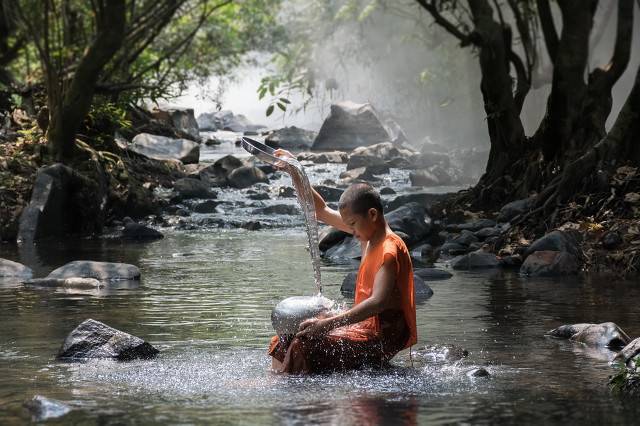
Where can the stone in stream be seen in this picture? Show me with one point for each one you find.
(412, 220)
(549, 263)
(290, 138)
(421, 290)
(245, 176)
(93, 339)
(328, 193)
(349, 126)
(182, 119)
(165, 148)
(284, 209)
(560, 241)
(9, 268)
(335, 157)
(478, 259)
(478, 372)
(138, 232)
(43, 408)
(189, 188)
(103, 271)
(218, 171)
(290, 312)
(432, 274)
(72, 282)
(348, 249)
(606, 334)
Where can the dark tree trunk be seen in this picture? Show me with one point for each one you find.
(68, 108)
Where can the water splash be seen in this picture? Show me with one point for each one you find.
(303, 193)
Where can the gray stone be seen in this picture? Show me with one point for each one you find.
(348, 249)
(330, 237)
(251, 225)
(475, 260)
(103, 271)
(328, 193)
(205, 207)
(42, 408)
(188, 188)
(387, 191)
(433, 176)
(453, 249)
(555, 241)
(478, 372)
(9, 268)
(349, 126)
(285, 209)
(286, 192)
(182, 119)
(378, 169)
(289, 313)
(568, 330)
(93, 339)
(290, 138)
(515, 208)
(206, 122)
(420, 289)
(432, 274)
(73, 282)
(488, 232)
(136, 231)
(425, 199)
(335, 157)
(464, 238)
(548, 263)
(259, 196)
(245, 176)
(360, 174)
(606, 334)
(165, 148)
(473, 226)
(219, 170)
(362, 160)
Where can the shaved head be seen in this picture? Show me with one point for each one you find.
(359, 198)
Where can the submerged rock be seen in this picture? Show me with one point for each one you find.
(549, 263)
(606, 334)
(103, 271)
(93, 339)
(136, 231)
(9, 268)
(43, 408)
(432, 274)
(555, 241)
(349, 126)
(73, 282)
(478, 372)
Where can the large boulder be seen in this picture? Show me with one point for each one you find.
(425, 199)
(246, 176)
(606, 334)
(227, 120)
(68, 283)
(328, 193)
(207, 122)
(433, 176)
(555, 241)
(349, 126)
(330, 237)
(290, 138)
(43, 408)
(348, 249)
(138, 232)
(336, 157)
(102, 271)
(182, 119)
(549, 263)
(63, 202)
(165, 148)
(420, 289)
(217, 172)
(93, 339)
(9, 268)
(515, 208)
(411, 220)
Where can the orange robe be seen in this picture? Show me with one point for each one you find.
(371, 342)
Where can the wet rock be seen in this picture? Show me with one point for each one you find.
(290, 138)
(359, 160)
(285, 209)
(630, 355)
(205, 207)
(378, 169)
(93, 339)
(348, 249)
(136, 231)
(9, 268)
(290, 312)
(611, 240)
(73, 282)
(349, 126)
(188, 188)
(102, 271)
(427, 159)
(213, 142)
(432, 274)
(475, 260)
(328, 193)
(488, 232)
(336, 157)
(245, 176)
(207, 122)
(286, 192)
(423, 178)
(606, 334)
(515, 208)
(219, 170)
(555, 241)
(478, 372)
(464, 238)
(43, 408)
(165, 148)
(549, 263)
(453, 249)
(182, 119)
(384, 151)
(252, 225)
(425, 199)
(412, 220)
(268, 169)
(387, 191)
(357, 175)
(62, 202)
(259, 196)
(511, 261)
(473, 226)
(330, 237)
(420, 289)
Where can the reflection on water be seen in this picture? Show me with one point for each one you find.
(205, 299)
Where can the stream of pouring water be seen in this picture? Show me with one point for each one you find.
(303, 193)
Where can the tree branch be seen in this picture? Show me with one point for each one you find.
(465, 39)
(548, 28)
(624, 35)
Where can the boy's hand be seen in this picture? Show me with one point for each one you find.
(313, 327)
(282, 153)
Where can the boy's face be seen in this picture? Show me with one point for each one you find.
(363, 226)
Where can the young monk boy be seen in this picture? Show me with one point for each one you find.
(382, 320)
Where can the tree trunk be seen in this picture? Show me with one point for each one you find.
(68, 108)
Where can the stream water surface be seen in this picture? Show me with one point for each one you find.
(205, 298)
